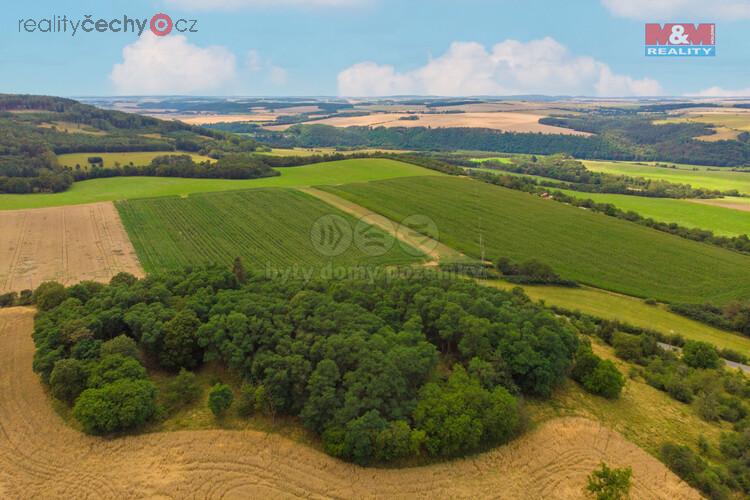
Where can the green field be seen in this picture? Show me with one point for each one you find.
(723, 180)
(720, 220)
(588, 247)
(138, 158)
(267, 227)
(124, 188)
(613, 306)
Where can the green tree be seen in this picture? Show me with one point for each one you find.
(122, 345)
(182, 390)
(68, 380)
(606, 380)
(610, 484)
(700, 355)
(238, 269)
(49, 295)
(113, 368)
(121, 405)
(324, 397)
(220, 399)
(180, 347)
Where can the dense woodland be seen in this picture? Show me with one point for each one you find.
(381, 370)
(33, 129)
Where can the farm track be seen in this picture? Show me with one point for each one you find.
(41, 457)
(66, 244)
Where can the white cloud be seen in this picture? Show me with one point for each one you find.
(679, 10)
(171, 65)
(257, 65)
(509, 68)
(241, 4)
(722, 92)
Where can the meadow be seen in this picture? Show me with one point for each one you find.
(266, 227)
(123, 188)
(484, 220)
(698, 177)
(137, 158)
(722, 221)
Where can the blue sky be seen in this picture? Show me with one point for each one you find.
(375, 47)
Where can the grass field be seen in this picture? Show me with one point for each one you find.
(594, 249)
(613, 306)
(722, 180)
(267, 227)
(138, 158)
(324, 151)
(124, 188)
(720, 220)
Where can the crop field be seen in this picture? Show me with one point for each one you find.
(723, 180)
(41, 457)
(138, 158)
(69, 244)
(478, 218)
(711, 215)
(613, 306)
(123, 188)
(267, 227)
(735, 203)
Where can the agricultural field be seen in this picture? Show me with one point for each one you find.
(123, 188)
(735, 203)
(138, 158)
(715, 215)
(324, 151)
(266, 227)
(716, 178)
(484, 220)
(616, 307)
(43, 457)
(69, 244)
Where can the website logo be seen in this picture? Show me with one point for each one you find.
(159, 24)
(681, 40)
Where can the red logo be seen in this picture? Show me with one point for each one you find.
(680, 34)
(161, 24)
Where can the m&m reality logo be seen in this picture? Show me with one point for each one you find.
(681, 40)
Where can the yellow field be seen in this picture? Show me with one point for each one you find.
(138, 158)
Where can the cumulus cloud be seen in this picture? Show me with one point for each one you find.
(241, 4)
(509, 68)
(257, 66)
(171, 65)
(722, 92)
(679, 10)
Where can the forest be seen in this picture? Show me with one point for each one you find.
(381, 370)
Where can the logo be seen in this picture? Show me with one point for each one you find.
(681, 40)
(159, 24)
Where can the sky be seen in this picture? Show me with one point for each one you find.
(370, 48)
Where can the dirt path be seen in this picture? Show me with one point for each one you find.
(66, 244)
(41, 457)
(434, 249)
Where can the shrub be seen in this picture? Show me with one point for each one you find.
(606, 380)
(122, 345)
(8, 299)
(68, 380)
(700, 355)
(220, 399)
(627, 347)
(181, 390)
(121, 405)
(113, 368)
(246, 404)
(610, 484)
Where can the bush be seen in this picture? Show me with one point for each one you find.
(122, 345)
(68, 380)
(181, 390)
(113, 368)
(606, 380)
(49, 295)
(610, 484)
(246, 404)
(627, 347)
(220, 399)
(700, 355)
(8, 299)
(119, 406)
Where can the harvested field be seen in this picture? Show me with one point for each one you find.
(41, 457)
(512, 122)
(742, 204)
(70, 244)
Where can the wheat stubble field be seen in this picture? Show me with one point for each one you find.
(66, 244)
(40, 456)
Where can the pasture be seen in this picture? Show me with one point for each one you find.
(721, 179)
(703, 214)
(137, 158)
(484, 220)
(123, 188)
(266, 227)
